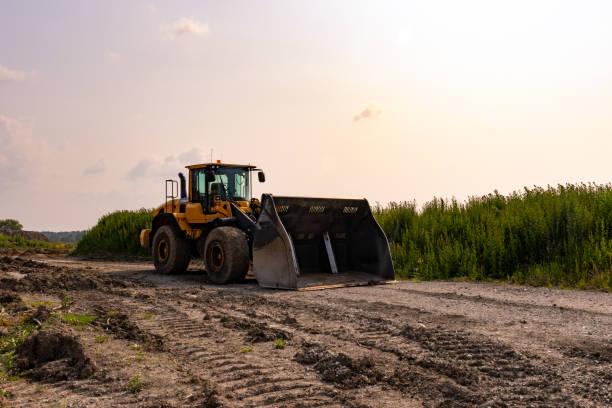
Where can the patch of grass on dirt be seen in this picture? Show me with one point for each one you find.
(246, 349)
(147, 315)
(20, 242)
(20, 329)
(280, 344)
(140, 357)
(66, 300)
(101, 339)
(134, 385)
(79, 320)
(136, 347)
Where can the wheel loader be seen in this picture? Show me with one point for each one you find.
(291, 242)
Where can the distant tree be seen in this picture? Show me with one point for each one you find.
(11, 224)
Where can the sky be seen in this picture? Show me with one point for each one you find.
(101, 101)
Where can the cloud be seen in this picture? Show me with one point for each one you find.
(186, 27)
(11, 74)
(164, 167)
(22, 156)
(192, 156)
(113, 56)
(97, 168)
(367, 113)
(141, 170)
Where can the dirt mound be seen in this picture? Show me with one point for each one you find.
(120, 325)
(257, 332)
(589, 350)
(30, 235)
(41, 315)
(41, 277)
(339, 368)
(7, 297)
(53, 355)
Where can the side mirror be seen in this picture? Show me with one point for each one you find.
(261, 176)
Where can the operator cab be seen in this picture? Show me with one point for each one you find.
(216, 182)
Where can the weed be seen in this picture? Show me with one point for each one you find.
(111, 313)
(140, 357)
(246, 349)
(147, 315)
(136, 347)
(117, 233)
(280, 344)
(134, 385)
(8, 344)
(66, 300)
(101, 339)
(556, 236)
(78, 320)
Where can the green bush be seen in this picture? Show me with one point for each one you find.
(117, 233)
(11, 224)
(554, 236)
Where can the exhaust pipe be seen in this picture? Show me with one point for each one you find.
(183, 188)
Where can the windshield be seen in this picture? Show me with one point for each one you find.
(232, 183)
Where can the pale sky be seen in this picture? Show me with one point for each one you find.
(100, 101)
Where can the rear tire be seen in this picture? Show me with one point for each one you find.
(226, 255)
(171, 253)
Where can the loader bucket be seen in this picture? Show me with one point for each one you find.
(305, 243)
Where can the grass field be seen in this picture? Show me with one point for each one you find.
(558, 236)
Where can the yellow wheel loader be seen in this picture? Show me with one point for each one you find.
(291, 242)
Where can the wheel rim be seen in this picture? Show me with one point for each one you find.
(162, 250)
(215, 257)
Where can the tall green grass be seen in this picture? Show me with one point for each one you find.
(558, 236)
(117, 233)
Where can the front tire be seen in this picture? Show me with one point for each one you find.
(226, 255)
(171, 253)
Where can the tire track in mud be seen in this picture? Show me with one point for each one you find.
(445, 363)
(440, 358)
(197, 340)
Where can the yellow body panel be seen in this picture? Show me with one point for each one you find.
(144, 237)
(189, 214)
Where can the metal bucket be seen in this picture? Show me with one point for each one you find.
(303, 242)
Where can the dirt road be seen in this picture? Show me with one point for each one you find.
(408, 344)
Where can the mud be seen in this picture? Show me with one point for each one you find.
(256, 332)
(431, 344)
(41, 315)
(340, 368)
(7, 297)
(53, 355)
(33, 276)
(120, 326)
